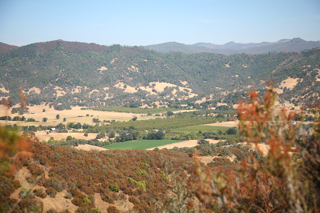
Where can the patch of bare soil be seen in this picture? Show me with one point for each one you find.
(205, 159)
(88, 147)
(188, 143)
(225, 124)
(21, 176)
(59, 203)
(122, 205)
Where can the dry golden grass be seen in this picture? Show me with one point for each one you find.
(201, 100)
(21, 176)
(222, 104)
(3, 89)
(129, 89)
(290, 83)
(133, 68)
(59, 203)
(103, 68)
(88, 147)
(278, 90)
(318, 76)
(70, 115)
(113, 60)
(42, 135)
(184, 82)
(76, 90)
(225, 124)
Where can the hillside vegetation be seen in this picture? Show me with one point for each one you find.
(40, 177)
(64, 74)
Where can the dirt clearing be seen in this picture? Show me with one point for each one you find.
(189, 143)
(88, 147)
(225, 124)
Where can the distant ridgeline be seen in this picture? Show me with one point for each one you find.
(65, 74)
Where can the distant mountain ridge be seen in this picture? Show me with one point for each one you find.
(230, 48)
(64, 73)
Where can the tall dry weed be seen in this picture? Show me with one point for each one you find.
(281, 184)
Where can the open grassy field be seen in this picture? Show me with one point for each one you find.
(202, 128)
(140, 144)
(132, 110)
(74, 115)
(43, 136)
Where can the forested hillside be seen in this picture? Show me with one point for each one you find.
(71, 73)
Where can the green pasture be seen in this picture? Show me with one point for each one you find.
(196, 129)
(140, 144)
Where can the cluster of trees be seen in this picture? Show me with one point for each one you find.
(16, 118)
(155, 135)
(78, 125)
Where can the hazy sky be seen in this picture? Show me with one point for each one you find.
(137, 22)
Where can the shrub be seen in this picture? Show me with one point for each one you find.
(232, 131)
(68, 195)
(112, 209)
(39, 193)
(275, 183)
(30, 120)
(86, 200)
(51, 192)
(114, 187)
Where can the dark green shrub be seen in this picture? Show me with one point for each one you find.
(114, 187)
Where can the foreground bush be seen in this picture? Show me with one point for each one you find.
(278, 184)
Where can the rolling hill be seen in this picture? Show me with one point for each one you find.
(63, 73)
